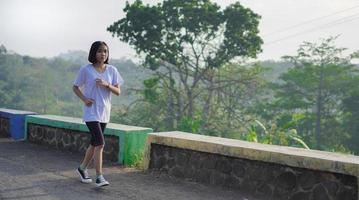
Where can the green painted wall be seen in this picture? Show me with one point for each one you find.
(132, 139)
(135, 146)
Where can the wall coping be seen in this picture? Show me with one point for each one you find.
(290, 156)
(77, 124)
(16, 112)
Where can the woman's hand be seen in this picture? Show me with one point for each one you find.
(89, 102)
(113, 88)
(102, 83)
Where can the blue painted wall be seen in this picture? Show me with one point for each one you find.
(17, 122)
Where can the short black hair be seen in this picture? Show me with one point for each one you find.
(94, 47)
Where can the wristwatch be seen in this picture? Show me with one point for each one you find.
(108, 86)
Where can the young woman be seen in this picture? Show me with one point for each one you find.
(97, 81)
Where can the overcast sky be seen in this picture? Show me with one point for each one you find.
(46, 28)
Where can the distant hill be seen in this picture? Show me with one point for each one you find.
(77, 57)
(275, 69)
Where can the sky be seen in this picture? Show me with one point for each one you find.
(46, 28)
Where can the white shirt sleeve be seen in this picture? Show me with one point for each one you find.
(117, 78)
(80, 78)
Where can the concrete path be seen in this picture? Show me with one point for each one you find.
(30, 171)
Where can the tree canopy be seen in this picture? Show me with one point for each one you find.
(186, 43)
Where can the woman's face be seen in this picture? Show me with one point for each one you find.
(102, 54)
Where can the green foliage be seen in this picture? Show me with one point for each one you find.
(138, 161)
(141, 113)
(350, 108)
(166, 30)
(316, 86)
(3, 49)
(150, 92)
(284, 135)
(189, 125)
(252, 135)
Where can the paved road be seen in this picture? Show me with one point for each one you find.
(30, 171)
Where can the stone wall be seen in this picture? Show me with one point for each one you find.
(71, 140)
(4, 127)
(262, 179)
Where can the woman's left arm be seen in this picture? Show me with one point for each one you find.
(114, 89)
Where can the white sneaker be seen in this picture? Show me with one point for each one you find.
(100, 181)
(84, 175)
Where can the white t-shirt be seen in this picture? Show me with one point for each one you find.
(86, 78)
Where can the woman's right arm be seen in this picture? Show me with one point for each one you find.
(78, 93)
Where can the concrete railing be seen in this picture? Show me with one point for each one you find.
(265, 171)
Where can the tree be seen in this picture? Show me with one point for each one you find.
(3, 49)
(235, 89)
(186, 42)
(316, 86)
(350, 108)
(351, 118)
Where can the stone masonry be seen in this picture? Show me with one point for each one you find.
(261, 179)
(4, 127)
(70, 140)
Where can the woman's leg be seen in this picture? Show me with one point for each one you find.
(98, 159)
(98, 152)
(97, 142)
(88, 157)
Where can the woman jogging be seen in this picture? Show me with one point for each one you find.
(97, 81)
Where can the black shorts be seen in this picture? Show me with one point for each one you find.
(96, 129)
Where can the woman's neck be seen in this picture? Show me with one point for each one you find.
(99, 65)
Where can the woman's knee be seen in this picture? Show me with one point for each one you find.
(101, 146)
